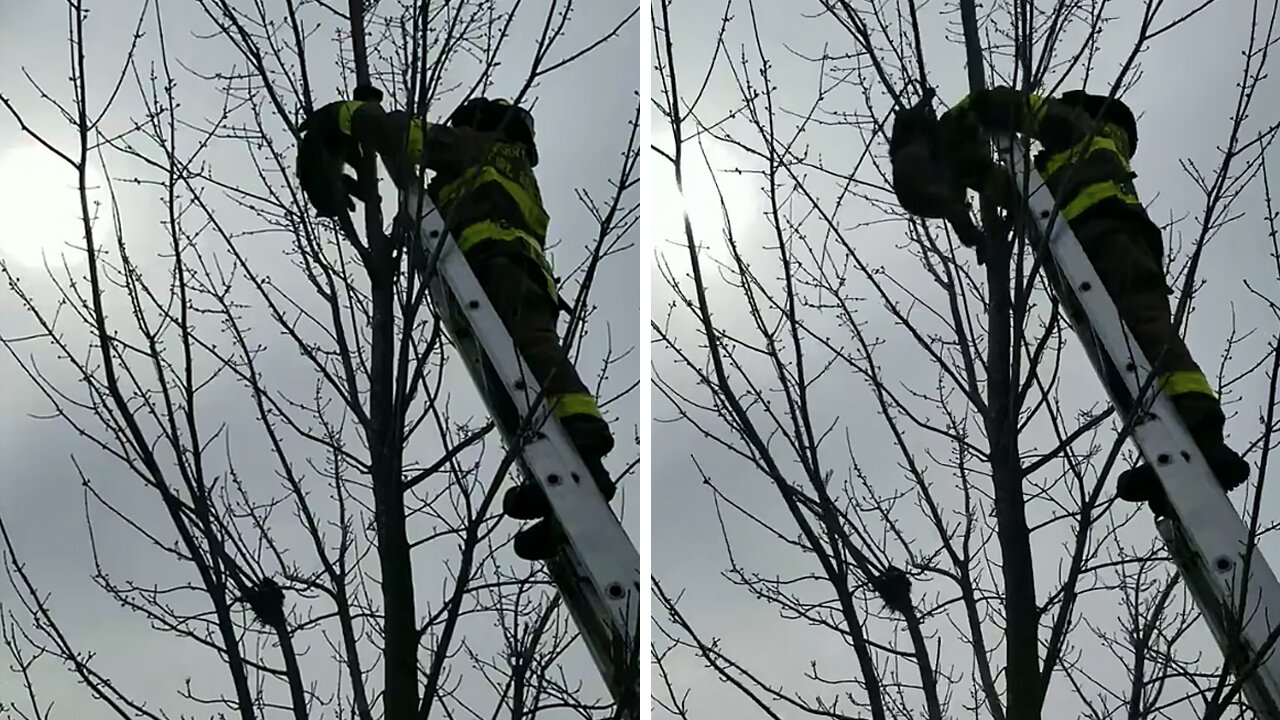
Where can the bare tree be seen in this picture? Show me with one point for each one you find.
(320, 526)
(918, 435)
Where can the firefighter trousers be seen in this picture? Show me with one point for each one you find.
(520, 297)
(1128, 257)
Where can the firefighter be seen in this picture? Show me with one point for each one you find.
(1087, 142)
(484, 186)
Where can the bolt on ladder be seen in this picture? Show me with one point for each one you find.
(597, 570)
(1230, 580)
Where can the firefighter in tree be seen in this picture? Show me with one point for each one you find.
(484, 186)
(1087, 142)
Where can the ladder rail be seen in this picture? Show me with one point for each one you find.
(1231, 581)
(597, 570)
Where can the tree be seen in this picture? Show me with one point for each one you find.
(908, 460)
(319, 536)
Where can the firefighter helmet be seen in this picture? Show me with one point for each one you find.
(367, 93)
(1113, 111)
(496, 115)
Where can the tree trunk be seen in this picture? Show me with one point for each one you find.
(1022, 648)
(385, 437)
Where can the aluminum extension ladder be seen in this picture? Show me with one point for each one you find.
(1230, 580)
(597, 570)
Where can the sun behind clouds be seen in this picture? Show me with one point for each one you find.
(40, 211)
(703, 200)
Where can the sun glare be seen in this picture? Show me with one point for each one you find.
(705, 204)
(40, 217)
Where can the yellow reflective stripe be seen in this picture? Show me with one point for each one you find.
(1038, 108)
(1094, 194)
(345, 111)
(1034, 103)
(1079, 152)
(532, 211)
(574, 404)
(413, 145)
(964, 114)
(489, 230)
(1182, 382)
(1117, 136)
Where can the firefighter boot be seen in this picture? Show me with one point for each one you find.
(1204, 420)
(593, 440)
(541, 541)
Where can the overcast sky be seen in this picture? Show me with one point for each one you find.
(582, 136)
(1184, 100)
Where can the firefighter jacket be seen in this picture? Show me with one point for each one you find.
(1084, 164)
(484, 184)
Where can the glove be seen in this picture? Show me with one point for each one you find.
(390, 137)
